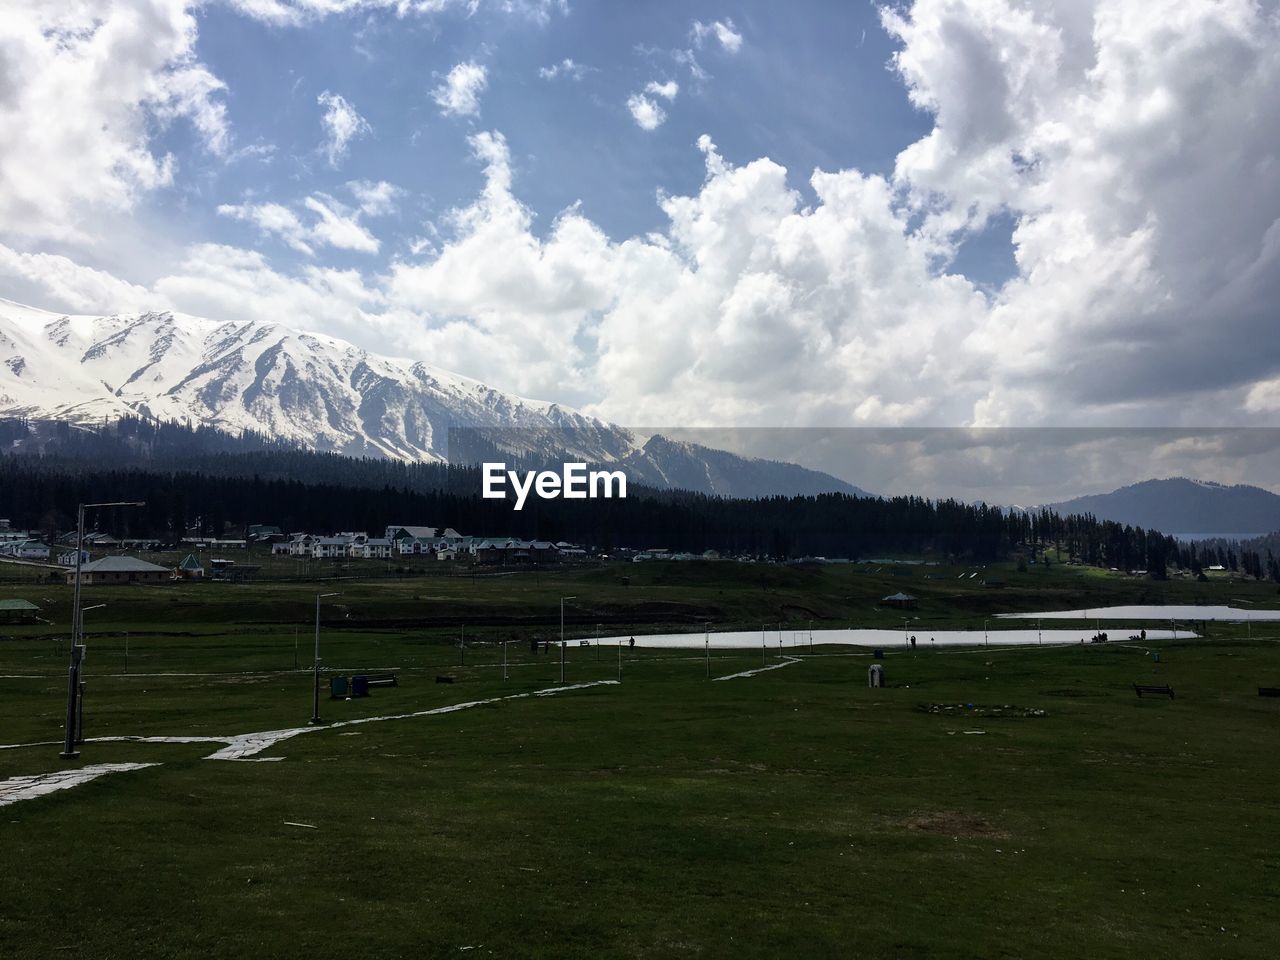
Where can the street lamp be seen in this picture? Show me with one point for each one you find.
(75, 722)
(985, 640)
(80, 682)
(315, 678)
(562, 600)
(706, 626)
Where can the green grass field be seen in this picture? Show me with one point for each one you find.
(790, 813)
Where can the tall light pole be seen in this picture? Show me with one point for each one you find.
(562, 600)
(986, 642)
(315, 674)
(80, 680)
(75, 722)
(706, 626)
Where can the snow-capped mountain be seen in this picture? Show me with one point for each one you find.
(316, 390)
(326, 394)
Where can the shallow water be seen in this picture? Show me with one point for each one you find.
(889, 639)
(1154, 611)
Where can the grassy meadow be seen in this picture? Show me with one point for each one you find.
(1001, 802)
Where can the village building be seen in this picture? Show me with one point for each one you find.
(111, 570)
(375, 548)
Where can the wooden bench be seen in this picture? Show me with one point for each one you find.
(1159, 691)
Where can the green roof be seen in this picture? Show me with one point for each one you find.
(17, 605)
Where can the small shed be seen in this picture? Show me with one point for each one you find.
(191, 568)
(18, 611)
(900, 600)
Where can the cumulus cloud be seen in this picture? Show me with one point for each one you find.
(459, 94)
(224, 282)
(722, 31)
(70, 285)
(83, 89)
(342, 124)
(1126, 142)
(1123, 138)
(646, 113)
(645, 110)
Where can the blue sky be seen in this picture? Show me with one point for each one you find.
(814, 213)
(809, 87)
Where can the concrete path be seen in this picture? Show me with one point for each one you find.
(786, 662)
(28, 788)
(243, 747)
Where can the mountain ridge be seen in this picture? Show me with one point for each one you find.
(328, 395)
(1183, 505)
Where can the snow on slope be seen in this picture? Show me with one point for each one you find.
(317, 390)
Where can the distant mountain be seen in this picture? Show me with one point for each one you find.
(316, 392)
(1180, 505)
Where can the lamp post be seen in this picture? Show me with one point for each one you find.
(79, 737)
(75, 722)
(986, 642)
(315, 670)
(706, 639)
(562, 600)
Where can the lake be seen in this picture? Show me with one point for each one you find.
(890, 639)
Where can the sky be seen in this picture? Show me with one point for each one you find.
(925, 213)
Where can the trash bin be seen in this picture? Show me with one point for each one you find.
(338, 688)
(360, 686)
(875, 675)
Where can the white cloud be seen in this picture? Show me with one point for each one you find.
(723, 31)
(666, 90)
(1123, 141)
(342, 124)
(70, 285)
(459, 94)
(646, 112)
(337, 227)
(272, 218)
(225, 282)
(298, 12)
(333, 224)
(375, 199)
(567, 67)
(83, 89)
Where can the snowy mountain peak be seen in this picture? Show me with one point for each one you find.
(307, 387)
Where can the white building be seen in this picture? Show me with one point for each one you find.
(330, 548)
(375, 548)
